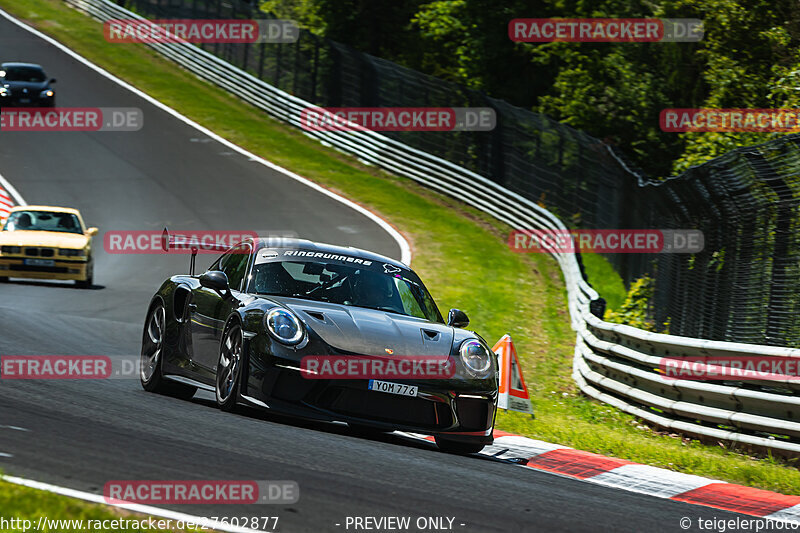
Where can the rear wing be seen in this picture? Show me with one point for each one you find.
(176, 241)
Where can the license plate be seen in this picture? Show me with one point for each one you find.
(392, 388)
(24, 100)
(40, 262)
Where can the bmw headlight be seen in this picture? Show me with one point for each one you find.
(284, 326)
(475, 356)
(70, 252)
(11, 249)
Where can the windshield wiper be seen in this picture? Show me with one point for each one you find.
(303, 296)
(388, 310)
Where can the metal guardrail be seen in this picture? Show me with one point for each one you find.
(613, 363)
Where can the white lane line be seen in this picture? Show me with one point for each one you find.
(2, 454)
(405, 247)
(135, 507)
(10, 188)
(15, 428)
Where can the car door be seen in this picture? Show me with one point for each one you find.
(211, 309)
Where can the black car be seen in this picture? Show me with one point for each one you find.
(243, 328)
(25, 85)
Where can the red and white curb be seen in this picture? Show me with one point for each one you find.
(634, 477)
(9, 197)
(5, 203)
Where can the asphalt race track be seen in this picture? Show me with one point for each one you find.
(81, 434)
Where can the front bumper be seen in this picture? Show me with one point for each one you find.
(56, 269)
(27, 101)
(442, 407)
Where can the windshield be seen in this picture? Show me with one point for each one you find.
(43, 221)
(29, 74)
(345, 284)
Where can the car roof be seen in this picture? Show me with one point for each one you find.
(16, 64)
(305, 244)
(45, 208)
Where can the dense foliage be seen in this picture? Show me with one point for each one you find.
(748, 58)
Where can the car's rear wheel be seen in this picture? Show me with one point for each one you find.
(460, 448)
(229, 366)
(152, 353)
(3, 279)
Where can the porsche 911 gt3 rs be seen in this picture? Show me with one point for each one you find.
(243, 328)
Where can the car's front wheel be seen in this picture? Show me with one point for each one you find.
(88, 282)
(229, 366)
(460, 448)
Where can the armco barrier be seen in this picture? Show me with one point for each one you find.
(613, 363)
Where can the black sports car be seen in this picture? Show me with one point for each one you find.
(245, 328)
(25, 85)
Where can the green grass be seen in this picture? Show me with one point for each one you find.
(602, 276)
(460, 253)
(24, 503)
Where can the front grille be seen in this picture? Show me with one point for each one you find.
(31, 268)
(40, 252)
(384, 407)
(474, 414)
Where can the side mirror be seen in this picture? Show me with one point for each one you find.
(457, 318)
(91, 232)
(52, 80)
(216, 281)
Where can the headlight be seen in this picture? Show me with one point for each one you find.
(70, 252)
(11, 249)
(284, 326)
(475, 356)
(49, 93)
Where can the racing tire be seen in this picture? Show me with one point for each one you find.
(152, 351)
(87, 283)
(229, 366)
(3, 279)
(458, 448)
